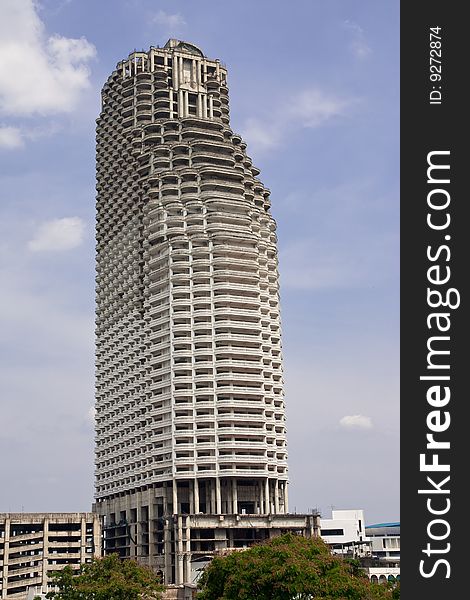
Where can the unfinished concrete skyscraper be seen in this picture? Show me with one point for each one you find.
(190, 426)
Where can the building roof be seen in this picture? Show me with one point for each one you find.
(383, 525)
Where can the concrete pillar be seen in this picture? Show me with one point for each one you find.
(175, 497)
(180, 103)
(193, 73)
(6, 547)
(165, 498)
(45, 550)
(97, 536)
(175, 74)
(286, 498)
(204, 106)
(218, 505)
(267, 500)
(187, 556)
(167, 555)
(234, 496)
(276, 496)
(199, 106)
(82, 541)
(211, 107)
(151, 513)
(186, 104)
(196, 496)
(180, 69)
(170, 97)
(179, 553)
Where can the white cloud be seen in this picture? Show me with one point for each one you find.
(10, 137)
(356, 421)
(171, 21)
(58, 234)
(314, 107)
(39, 74)
(310, 108)
(359, 46)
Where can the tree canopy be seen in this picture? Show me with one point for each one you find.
(287, 567)
(106, 578)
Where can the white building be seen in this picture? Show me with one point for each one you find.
(189, 390)
(377, 546)
(345, 532)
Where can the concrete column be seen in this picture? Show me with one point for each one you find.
(199, 106)
(6, 547)
(175, 73)
(180, 69)
(151, 513)
(211, 107)
(175, 497)
(179, 553)
(170, 98)
(167, 546)
(286, 499)
(218, 506)
(186, 104)
(152, 61)
(193, 73)
(217, 68)
(276, 496)
(180, 103)
(97, 536)
(196, 496)
(267, 499)
(82, 541)
(165, 499)
(204, 106)
(234, 496)
(187, 556)
(45, 550)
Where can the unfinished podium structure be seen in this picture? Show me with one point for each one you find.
(191, 454)
(34, 545)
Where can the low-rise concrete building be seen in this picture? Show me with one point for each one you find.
(32, 545)
(385, 542)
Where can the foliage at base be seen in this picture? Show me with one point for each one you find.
(287, 567)
(106, 578)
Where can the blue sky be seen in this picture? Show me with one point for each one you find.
(314, 91)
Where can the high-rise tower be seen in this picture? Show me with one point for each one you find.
(190, 418)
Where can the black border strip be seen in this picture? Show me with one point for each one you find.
(434, 120)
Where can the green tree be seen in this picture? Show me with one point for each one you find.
(287, 567)
(106, 578)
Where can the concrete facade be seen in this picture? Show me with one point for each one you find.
(385, 542)
(189, 391)
(34, 544)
